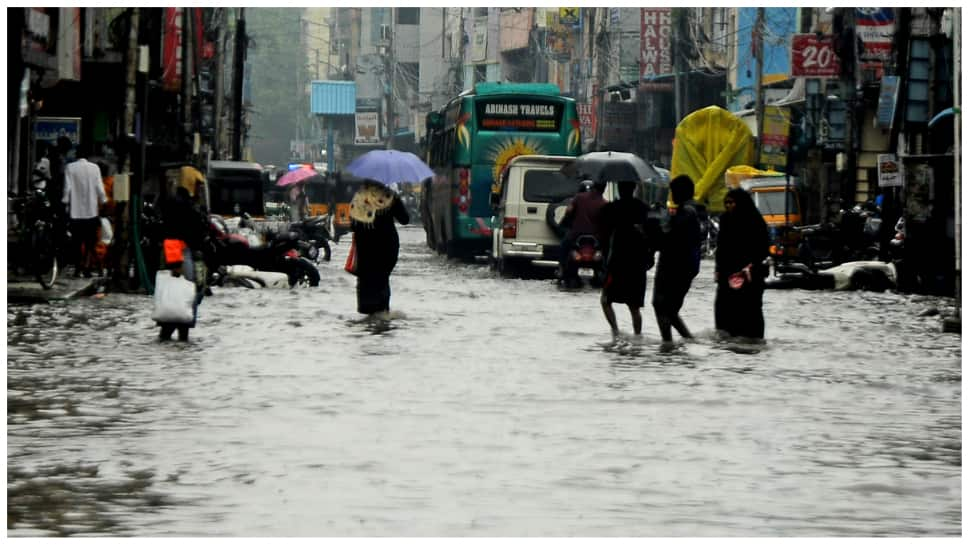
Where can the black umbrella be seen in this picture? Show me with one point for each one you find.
(611, 166)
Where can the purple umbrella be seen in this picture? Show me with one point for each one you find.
(296, 176)
(390, 167)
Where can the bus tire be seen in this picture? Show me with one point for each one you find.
(453, 250)
(429, 237)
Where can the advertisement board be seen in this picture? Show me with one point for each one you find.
(888, 96)
(875, 27)
(366, 128)
(890, 171)
(814, 56)
(655, 58)
(48, 129)
(774, 137)
(172, 49)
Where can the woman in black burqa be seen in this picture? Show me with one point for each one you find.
(373, 211)
(742, 246)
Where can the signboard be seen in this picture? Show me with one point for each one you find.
(50, 128)
(512, 115)
(890, 171)
(888, 95)
(874, 27)
(366, 128)
(172, 49)
(587, 118)
(38, 29)
(569, 16)
(480, 43)
(814, 56)
(774, 137)
(619, 122)
(655, 58)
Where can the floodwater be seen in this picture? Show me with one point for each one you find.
(482, 407)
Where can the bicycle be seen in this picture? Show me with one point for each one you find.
(36, 241)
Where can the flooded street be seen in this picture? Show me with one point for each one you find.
(484, 407)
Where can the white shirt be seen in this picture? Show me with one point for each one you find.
(83, 189)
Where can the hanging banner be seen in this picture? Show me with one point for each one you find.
(172, 49)
(655, 58)
(366, 128)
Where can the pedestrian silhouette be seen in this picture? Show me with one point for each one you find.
(680, 259)
(742, 246)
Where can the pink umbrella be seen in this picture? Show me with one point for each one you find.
(296, 176)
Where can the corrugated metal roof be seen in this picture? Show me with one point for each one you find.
(333, 97)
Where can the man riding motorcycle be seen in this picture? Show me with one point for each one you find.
(580, 219)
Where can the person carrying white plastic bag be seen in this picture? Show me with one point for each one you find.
(183, 228)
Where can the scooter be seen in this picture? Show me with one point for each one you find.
(279, 254)
(584, 261)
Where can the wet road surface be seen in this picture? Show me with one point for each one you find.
(483, 407)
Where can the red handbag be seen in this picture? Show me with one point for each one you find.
(350, 266)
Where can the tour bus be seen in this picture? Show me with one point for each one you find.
(471, 140)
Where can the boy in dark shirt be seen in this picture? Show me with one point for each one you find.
(680, 254)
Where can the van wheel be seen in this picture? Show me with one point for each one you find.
(508, 268)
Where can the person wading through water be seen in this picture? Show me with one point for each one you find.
(679, 262)
(742, 246)
(630, 238)
(373, 210)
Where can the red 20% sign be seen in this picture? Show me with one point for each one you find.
(813, 56)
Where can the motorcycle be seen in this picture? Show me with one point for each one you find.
(413, 206)
(280, 254)
(709, 230)
(312, 236)
(584, 261)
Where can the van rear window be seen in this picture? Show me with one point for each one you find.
(545, 186)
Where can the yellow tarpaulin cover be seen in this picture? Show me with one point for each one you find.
(737, 174)
(708, 142)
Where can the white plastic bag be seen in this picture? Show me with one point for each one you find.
(107, 234)
(174, 298)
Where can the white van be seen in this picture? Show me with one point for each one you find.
(522, 237)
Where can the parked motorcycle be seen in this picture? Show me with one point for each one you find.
(584, 261)
(280, 254)
(312, 235)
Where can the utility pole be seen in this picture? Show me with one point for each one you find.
(389, 74)
(187, 70)
(218, 85)
(848, 53)
(239, 56)
(125, 266)
(957, 118)
(759, 94)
